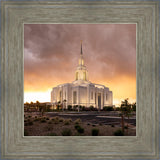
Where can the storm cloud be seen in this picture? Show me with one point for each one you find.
(51, 53)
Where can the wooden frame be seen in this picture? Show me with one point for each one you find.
(144, 144)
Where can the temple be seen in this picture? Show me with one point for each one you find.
(81, 91)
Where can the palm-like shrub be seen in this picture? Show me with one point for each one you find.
(95, 132)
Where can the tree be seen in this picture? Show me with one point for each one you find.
(37, 104)
(125, 111)
(64, 103)
(58, 106)
(134, 106)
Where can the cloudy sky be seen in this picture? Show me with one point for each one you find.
(51, 53)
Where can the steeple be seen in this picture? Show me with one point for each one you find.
(81, 72)
(81, 60)
(81, 48)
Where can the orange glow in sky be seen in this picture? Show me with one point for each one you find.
(51, 53)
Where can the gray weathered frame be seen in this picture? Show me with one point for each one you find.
(144, 144)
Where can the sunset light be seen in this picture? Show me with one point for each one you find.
(51, 53)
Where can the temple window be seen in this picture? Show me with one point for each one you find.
(74, 97)
(91, 95)
(76, 75)
(84, 75)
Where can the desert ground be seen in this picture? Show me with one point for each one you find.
(77, 124)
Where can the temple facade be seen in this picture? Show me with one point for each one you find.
(81, 91)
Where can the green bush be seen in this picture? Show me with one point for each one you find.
(77, 126)
(29, 116)
(80, 130)
(108, 108)
(112, 125)
(66, 132)
(125, 127)
(43, 121)
(47, 118)
(69, 107)
(95, 132)
(118, 133)
(52, 134)
(25, 133)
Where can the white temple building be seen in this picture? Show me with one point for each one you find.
(82, 91)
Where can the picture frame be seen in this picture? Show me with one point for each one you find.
(17, 146)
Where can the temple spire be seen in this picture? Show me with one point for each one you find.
(81, 48)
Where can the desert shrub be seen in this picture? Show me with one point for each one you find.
(47, 118)
(91, 108)
(66, 132)
(76, 126)
(36, 119)
(93, 125)
(56, 121)
(95, 132)
(56, 118)
(119, 133)
(30, 123)
(61, 120)
(69, 107)
(100, 124)
(43, 121)
(50, 122)
(25, 133)
(88, 124)
(70, 120)
(25, 120)
(80, 130)
(125, 127)
(24, 115)
(112, 125)
(77, 121)
(66, 122)
(52, 134)
(108, 108)
(29, 116)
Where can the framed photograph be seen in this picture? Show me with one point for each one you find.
(61, 91)
(80, 79)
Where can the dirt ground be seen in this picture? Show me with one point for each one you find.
(36, 125)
